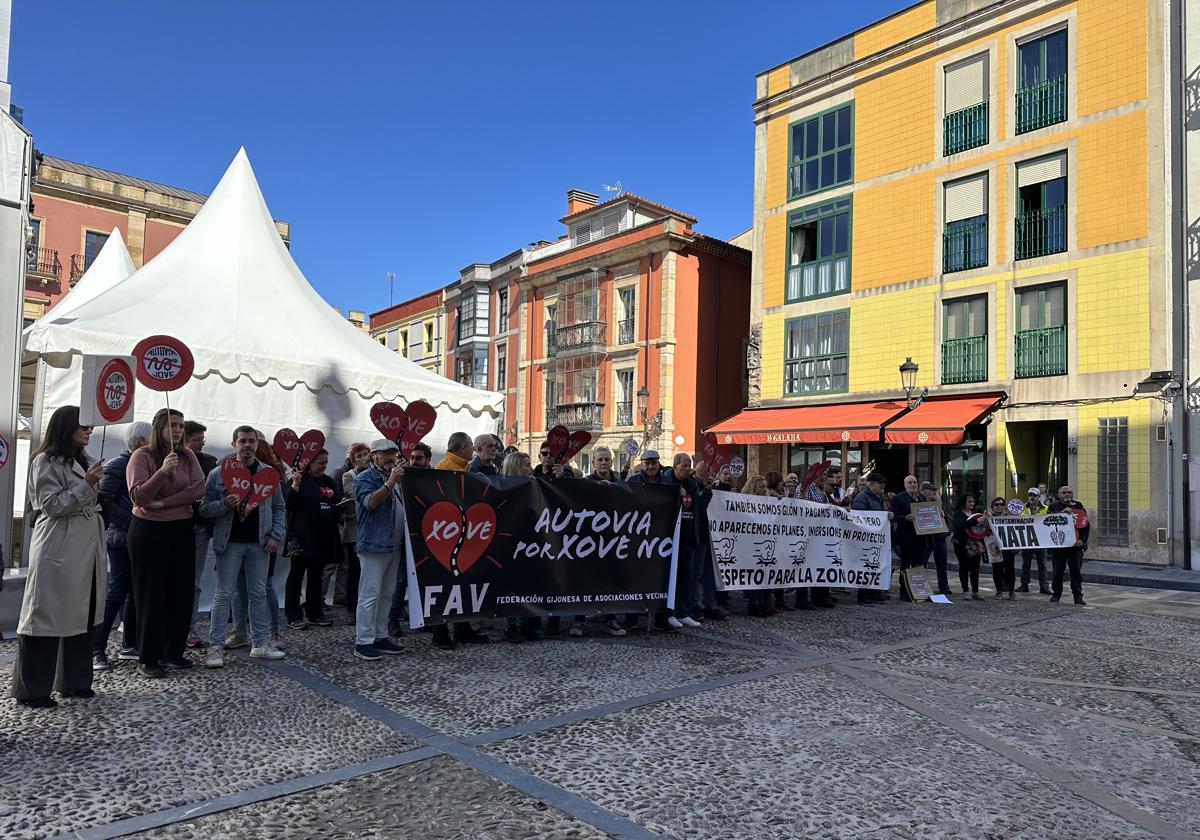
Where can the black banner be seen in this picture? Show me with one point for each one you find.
(527, 547)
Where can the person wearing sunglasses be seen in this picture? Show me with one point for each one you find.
(1004, 573)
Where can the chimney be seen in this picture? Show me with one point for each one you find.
(579, 200)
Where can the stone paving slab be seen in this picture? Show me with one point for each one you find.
(142, 745)
(477, 688)
(437, 799)
(803, 755)
(1131, 766)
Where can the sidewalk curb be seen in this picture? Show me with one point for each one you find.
(1118, 579)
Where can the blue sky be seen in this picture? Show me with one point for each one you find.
(417, 138)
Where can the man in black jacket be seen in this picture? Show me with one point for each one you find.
(871, 497)
(1070, 556)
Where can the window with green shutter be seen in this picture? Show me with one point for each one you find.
(1042, 83)
(965, 124)
(816, 353)
(821, 152)
(1040, 343)
(818, 251)
(964, 340)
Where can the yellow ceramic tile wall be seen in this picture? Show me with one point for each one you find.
(897, 28)
(1113, 192)
(1111, 54)
(886, 328)
(893, 236)
(1114, 283)
(774, 259)
(883, 142)
(775, 194)
(772, 357)
(1140, 441)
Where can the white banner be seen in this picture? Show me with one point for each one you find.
(760, 542)
(1050, 530)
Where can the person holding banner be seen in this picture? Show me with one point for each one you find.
(484, 462)
(704, 579)
(380, 512)
(651, 472)
(66, 567)
(821, 492)
(1034, 506)
(242, 544)
(601, 471)
(871, 497)
(516, 464)
(548, 467)
(969, 528)
(114, 499)
(459, 450)
(1004, 573)
(422, 457)
(313, 505)
(1071, 556)
(936, 543)
(164, 479)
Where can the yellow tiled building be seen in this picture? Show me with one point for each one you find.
(978, 186)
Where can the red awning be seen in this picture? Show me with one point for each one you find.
(807, 423)
(941, 420)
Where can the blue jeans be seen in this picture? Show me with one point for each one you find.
(239, 603)
(120, 594)
(376, 588)
(237, 558)
(203, 538)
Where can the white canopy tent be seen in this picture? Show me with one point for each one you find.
(112, 265)
(269, 351)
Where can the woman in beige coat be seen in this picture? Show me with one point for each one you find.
(67, 573)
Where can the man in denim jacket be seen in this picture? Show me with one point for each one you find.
(380, 512)
(242, 542)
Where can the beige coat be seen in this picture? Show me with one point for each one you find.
(66, 551)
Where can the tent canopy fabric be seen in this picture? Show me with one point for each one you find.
(228, 288)
(941, 420)
(112, 265)
(808, 423)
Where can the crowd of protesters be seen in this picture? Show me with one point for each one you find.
(129, 538)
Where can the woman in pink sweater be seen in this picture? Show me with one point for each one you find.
(164, 479)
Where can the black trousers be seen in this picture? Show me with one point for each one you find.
(162, 559)
(118, 598)
(353, 573)
(1004, 573)
(1071, 558)
(1027, 557)
(968, 569)
(312, 566)
(55, 663)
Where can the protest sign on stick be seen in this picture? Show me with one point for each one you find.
(419, 419)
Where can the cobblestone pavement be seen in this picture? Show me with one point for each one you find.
(987, 719)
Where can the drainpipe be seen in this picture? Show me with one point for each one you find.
(1182, 338)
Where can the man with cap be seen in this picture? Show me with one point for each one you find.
(1070, 556)
(653, 473)
(871, 497)
(936, 543)
(1034, 506)
(380, 511)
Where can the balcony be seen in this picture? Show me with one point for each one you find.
(964, 360)
(625, 414)
(1041, 232)
(625, 331)
(44, 262)
(1041, 352)
(79, 264)
(965, 244)
(1042, 104)
(577, 339)
(585, 416)
(965, 129)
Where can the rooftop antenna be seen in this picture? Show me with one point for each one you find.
(615, 188)
(391, 278)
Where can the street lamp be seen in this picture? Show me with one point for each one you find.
(908, 381)
(651, 426)
(643, 398)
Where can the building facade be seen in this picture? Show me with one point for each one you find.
(414, 328)
(631, 327)
(75, 209)
(978, 187)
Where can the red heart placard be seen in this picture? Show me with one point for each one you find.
(311, 442)
(236, 478)
(252, 489)
(557, 440)
(708, 449)
(421, 417)
(457, 540)
(262, 487)
(390, 419)
(286, 445)
(575, 444)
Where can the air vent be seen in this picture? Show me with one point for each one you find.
(1160, 433)
(1162, 536)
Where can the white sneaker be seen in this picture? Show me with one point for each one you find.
(614, 628)
(266, 652)
(236, 640)
(674, 622)
(216, 658)
(576, 630)
(688, 621)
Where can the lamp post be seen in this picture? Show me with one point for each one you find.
(908, 381)
(651, 426)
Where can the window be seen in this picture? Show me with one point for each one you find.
(471, 368)
(1041, 223)
(391, 339)
(625, 397)
(965, 237)
(819, 251)
(822, 152)
(816, 353)
(626, 327)
(599, 227)
(92, 244)
(1041, 339)
(501, 367)
(965, 124)
(35, 228)
(964, 341)
(466, 318)
(1042, 86)
(429, 337)
(403, 343)
(1112, 481)
(502, 310)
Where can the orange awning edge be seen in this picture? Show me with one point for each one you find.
(941, 420)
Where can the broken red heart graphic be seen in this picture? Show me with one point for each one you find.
(286, 446)
(709, 448)
(311, 442)
(263, 486)
(575, 444)
(390, 419)
(557, 440)
(421, 417)
(457, 541)
(236, 478)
